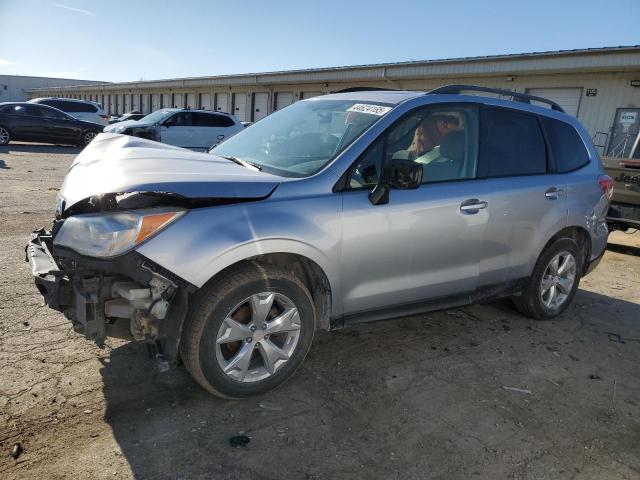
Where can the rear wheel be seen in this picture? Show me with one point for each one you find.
(554, 281)
(87, 137)
(248, 331)
(5, 136)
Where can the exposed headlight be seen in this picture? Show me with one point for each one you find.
(110, 234)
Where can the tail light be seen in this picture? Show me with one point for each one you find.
(606, 184)
(104, 117)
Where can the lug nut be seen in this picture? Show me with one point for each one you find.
(252, 328)
(264, 326)
(248, 339)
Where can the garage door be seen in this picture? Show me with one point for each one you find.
(145, 103)
(135, 101)
(240, 106)
(112, 104)
(205, 101)
(155, 102)
(310, 94)
(283, 99)
(191, 100)
(260, 106)
(567, 98)
(222, 102)
(166, 100)
(127, 103)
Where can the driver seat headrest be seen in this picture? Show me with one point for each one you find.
(453, 145)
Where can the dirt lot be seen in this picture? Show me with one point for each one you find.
(479, 392)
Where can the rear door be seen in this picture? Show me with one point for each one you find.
(58, 126)
(178, 130)
(525, 203)
(209, 128)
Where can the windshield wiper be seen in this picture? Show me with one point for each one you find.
(244, 163)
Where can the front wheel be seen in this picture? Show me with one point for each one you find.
(5, 136)
(554, 281)
(248, 331)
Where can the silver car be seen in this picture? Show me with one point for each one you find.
(336, 210)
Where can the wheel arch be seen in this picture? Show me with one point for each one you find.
(307, 270)
(578, 234)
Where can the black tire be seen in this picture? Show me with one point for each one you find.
(87, 137)
(530, 303)
(5, 135)
(215, 301)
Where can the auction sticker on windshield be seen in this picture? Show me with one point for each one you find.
(370, 109)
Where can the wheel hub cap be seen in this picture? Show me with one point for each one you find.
(258, 337)
(558, 280)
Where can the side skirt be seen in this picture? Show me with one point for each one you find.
(489, 292)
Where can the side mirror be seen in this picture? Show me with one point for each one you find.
(401, 175)
(404, 175)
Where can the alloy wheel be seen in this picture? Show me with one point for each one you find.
(258, 336)
(558, 280)
(88, 137)
(4, 136)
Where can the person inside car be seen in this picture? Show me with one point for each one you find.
(428, 136)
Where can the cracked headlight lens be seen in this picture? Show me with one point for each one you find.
(111, 234)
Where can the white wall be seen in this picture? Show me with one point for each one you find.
(12, 86)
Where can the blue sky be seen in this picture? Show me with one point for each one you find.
(124, 40)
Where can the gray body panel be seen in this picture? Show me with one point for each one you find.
(418, 247)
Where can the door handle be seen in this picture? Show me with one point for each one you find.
(472, 206)
(553, 193)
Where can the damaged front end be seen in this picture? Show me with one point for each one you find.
(124, 295)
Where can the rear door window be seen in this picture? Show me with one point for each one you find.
(569, 151)
(211, 120)
(511, 144)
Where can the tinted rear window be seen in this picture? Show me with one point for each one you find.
(511, 143)
(71, 107)
(569, 151)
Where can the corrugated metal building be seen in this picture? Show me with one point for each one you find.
(598, 85)
(13, 88)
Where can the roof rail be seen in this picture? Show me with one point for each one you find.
(365, 89)
(517, 97)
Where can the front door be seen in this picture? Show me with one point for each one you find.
(424, 244)
(178, 130)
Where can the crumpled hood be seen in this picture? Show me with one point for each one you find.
(124, 124)
(115, 163)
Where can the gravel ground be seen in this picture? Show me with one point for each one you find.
(478, 392)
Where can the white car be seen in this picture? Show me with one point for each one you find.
(85, 110)
(195, 129)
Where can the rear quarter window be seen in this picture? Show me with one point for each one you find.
(569, 151)
(212, 120)
(76, 107)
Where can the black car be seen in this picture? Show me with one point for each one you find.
(30, 122)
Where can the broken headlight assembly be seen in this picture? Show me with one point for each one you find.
(111, 234)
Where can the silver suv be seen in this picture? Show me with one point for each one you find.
(337, 210)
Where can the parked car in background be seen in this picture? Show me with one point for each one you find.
(196, 129)
(133, 115)
(333, 211)
(624, 213)
(81, 109)
(30, 122)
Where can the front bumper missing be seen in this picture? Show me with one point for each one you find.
(126, 297)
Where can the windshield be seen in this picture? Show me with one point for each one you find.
(156, 116)
(301, 139)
